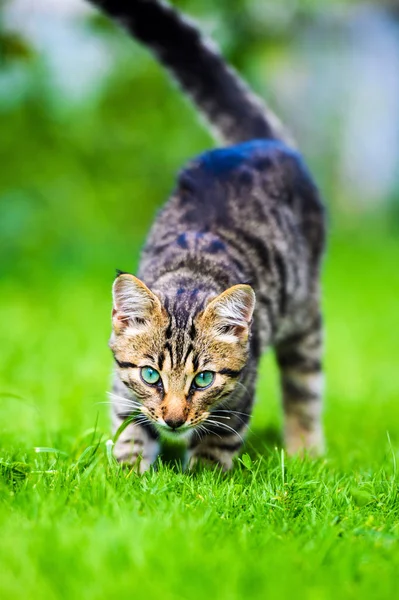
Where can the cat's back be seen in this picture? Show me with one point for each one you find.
(256, 185)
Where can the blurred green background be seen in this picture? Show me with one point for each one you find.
(92, 134)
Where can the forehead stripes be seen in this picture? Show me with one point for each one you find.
(180, 331)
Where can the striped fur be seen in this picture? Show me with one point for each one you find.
(234, 113)
(244, 222)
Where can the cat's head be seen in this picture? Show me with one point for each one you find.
(180, 358)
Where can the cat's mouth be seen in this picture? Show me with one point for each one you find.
(174, 434)
(176, 429)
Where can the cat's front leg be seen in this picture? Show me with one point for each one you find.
(136, 445)
(220, 437)
(216, 449)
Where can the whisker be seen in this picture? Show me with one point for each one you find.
(227, 427)
(214, 414)
(200, 429)
(118, 396)
(212, 432)
(140, 417)
(141, 420)
(126, 404)
(208, 432)
(123, 398)
(234, 412)
(137, 423)
(121, 404)
(232, 399)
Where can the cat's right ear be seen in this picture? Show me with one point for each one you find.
(229, 315)
(134, 304)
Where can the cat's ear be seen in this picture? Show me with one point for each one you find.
(230, 313)
(134, 305)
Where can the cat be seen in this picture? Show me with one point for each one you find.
(230, 268)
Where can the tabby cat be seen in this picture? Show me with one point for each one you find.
(230, 268)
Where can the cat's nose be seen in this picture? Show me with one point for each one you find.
(174, 422)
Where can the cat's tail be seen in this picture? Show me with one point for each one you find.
(233, 111)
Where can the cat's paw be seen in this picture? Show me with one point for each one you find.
(209, 461)
(132, 459)
(302, 442)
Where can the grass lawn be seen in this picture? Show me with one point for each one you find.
(73, 525)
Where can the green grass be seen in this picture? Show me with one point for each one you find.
(78, 189)
(74, 525)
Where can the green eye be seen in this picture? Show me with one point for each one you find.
(204, 379)
(150, 375)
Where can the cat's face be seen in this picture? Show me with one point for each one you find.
(179, 363)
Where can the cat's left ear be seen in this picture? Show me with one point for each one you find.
(134, 304)
(230, 313)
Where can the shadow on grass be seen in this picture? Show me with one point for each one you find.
(173, 454)
(259, 442)
(263, 441)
